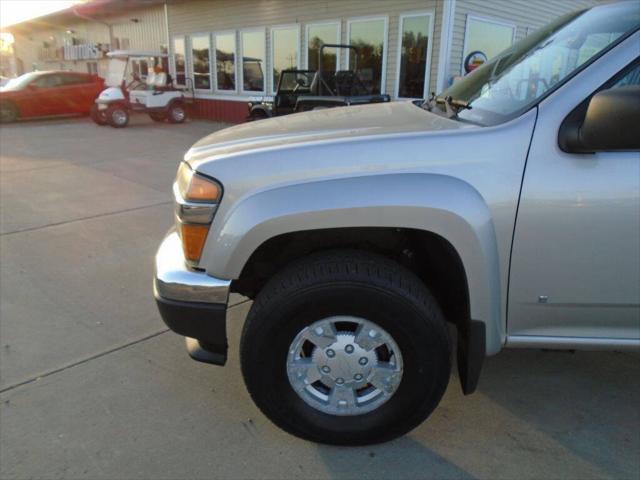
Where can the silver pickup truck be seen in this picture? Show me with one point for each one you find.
(506, 209)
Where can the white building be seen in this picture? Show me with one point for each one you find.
(232, 50)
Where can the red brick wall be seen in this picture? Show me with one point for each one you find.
(223, 110)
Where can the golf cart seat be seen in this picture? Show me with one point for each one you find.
(159, 82)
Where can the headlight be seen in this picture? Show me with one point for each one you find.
(196, 188)
(196, 198)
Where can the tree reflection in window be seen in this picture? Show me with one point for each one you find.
(200, 46)
(413, 56)
(318, 35)
(252, 61)
(226, 61)
(368, 37)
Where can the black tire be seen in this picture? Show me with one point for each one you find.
(158, 116)
(117, 116)
(358, 284)
(258, 115)
(98, 116)
(177, 112)
(8, 112)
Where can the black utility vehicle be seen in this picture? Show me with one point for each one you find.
(303, 90)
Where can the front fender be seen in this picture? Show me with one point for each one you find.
(259, 107)
(440, 204)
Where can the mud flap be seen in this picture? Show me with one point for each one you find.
(471, 353)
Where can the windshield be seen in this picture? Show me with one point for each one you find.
(115, 72)
(520, 76)
(295, 81)
(22, 81)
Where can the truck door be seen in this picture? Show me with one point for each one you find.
(575, 268)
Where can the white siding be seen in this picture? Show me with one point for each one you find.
(523, 13)
(149, 33)
(198, 16)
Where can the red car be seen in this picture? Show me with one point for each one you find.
(39, 94)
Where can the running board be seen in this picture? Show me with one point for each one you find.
(572, 343)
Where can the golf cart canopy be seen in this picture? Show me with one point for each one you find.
(135, 53)
(119, 59)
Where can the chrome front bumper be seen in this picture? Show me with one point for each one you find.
(174, 280)
(191, 303)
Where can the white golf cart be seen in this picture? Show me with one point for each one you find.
(147, 91)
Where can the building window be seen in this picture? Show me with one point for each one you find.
(414, 56)
(200, 51)
(179, 61)
(226, 61)
(369, 36)
(490, 37)
(92, 68)
(285, 51)
(319, 34)
(119, 43)
(252, 44)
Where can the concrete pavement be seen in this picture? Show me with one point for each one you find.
(92, 385)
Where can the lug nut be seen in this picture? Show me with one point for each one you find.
(331, 353)
(373, 333)
(357, 377)
(319, 330)
(325, 369)
(363, 360)
(348, 348)
(339, 381)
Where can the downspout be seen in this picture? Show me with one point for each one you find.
(166, 23)
(446, 37)
(169, 46)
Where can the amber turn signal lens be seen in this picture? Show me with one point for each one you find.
(202, 190)
(197, 188)
(193, 238)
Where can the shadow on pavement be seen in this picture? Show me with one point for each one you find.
(401, 458)
(588, 403)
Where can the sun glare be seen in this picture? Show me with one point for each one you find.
(16, 11)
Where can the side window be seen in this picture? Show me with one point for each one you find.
(47, 81)
(69, 79)
(630, 78)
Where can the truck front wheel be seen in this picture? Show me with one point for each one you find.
(346, 347)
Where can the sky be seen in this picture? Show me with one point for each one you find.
(15, 11)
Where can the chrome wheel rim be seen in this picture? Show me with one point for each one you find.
(344, 365)
(178, 114)
(119, 117)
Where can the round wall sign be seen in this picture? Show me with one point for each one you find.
(474, 60)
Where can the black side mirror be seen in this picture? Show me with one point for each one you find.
(611, 123)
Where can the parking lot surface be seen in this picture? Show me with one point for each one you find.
(93, 386)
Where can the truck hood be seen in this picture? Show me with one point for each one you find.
(320, 126)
